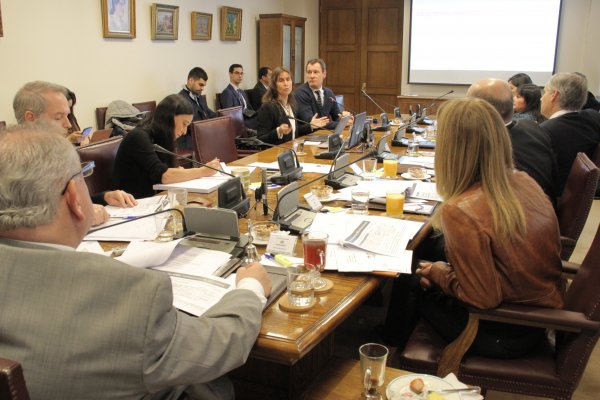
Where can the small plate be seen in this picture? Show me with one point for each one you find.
(408, 176)
(399, 388)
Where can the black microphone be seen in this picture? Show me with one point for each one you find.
(185, 231)
(228, 193)
(384, 117)
(366, 155)
(433, 101)
(287, 173)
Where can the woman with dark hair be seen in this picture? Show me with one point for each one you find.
(276, 121)
(517, 80)
(527, 103)
(138, 166)
(74, 132)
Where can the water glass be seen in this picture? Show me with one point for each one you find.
(244, 174)
(165, 227)
(373, 358)
(369, 168)
(300, 289)
(360, 200)
(413, 148)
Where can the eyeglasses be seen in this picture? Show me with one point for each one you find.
(87, 169)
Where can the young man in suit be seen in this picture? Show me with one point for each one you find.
(192, 92)
(47, 102)
(86, 326)
(313, 98)
(571, 130)
(259, 90)
(234, 96)
(532, 150)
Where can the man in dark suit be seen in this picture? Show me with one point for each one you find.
(571, 130)
(234, 96)
(192, 92)
(313, 98)
(532, 150)
(86, 326)
(259, 90)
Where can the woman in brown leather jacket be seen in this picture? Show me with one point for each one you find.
(500, 232)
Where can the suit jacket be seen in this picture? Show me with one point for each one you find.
(532, 152)
(257, 94)
(570, 134)
(85, 326)
(307, 105)
(198, 103)
(230, 98)
(270, 116)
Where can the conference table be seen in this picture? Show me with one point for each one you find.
(292, 349)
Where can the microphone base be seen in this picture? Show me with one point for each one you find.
(242, 207)
(415, 129)
(290, 177)
(397, 142)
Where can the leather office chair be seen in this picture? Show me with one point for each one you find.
(103, 154)
(544, 372)
(214, 138)
(100, 116)
(218, 101)
(148, 106)
(237, 121)
(12, 381)
(576, 201)
(596, 160)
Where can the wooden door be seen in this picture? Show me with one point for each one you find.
(361, 42)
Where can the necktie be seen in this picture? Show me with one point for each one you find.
(242, 100)
(319, 101)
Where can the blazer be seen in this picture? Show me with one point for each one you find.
(257, 94)
(85, 326)
(199, 105)
(532, 152)
(570, 134)
(270, 116)
(230, 98)
(307, 105)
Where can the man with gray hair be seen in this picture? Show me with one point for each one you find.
(532, 150)
(86, 326)
(571, 130)
(46, 101)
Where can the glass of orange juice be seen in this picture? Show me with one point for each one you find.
(390, 168)
(394, 204)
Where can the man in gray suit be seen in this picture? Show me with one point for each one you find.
(85, 326)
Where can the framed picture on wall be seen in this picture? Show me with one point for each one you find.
(165, 22)
(231, 23)
(118, 19)
(201, 26)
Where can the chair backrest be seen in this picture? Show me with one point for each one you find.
(100, 135)
(12, 381)
(217, 100)
(149, 106)
(576, 200)
(596, 156)
(100, 116)
(573, 350)
(103, 154)
(237, 120)
(340, 100)
(214, 138)
(2, 125)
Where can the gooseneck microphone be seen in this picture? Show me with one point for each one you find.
(228, 195)
(384, 117)
(366, 155)
(289, 168)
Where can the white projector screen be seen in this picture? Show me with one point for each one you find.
(461, 41)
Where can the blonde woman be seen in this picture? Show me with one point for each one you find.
(500, 232)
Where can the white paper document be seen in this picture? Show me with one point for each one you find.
(425, 190)
(134, 229)
(351, 260)
(197, 294)
(147, 254)
(201, 185)
(145, 206)
(427, 162)
(306, 167)
(194, 261)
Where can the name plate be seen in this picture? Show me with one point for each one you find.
(282, 243)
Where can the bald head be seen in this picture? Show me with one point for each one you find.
(497, 93)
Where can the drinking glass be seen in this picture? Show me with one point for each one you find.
(165, 227)
(360, 200)
(394, 204)
(373, 358)
(315, 255)
(413, 148)
(369, 168)
(300, 289)
(177, 200)
(390, 168)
